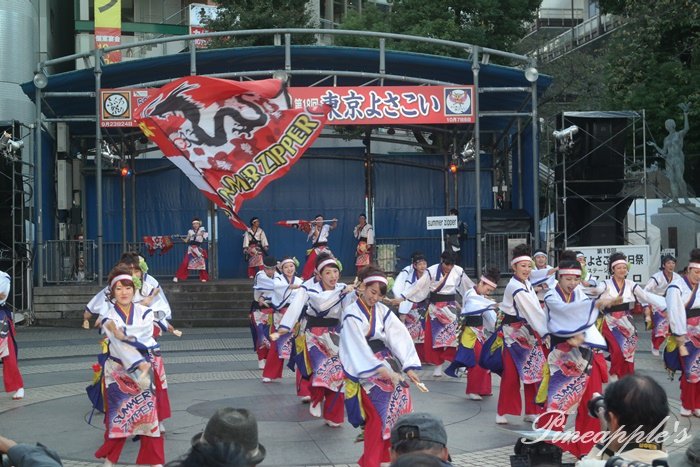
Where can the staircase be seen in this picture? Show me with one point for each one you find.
(219, 303)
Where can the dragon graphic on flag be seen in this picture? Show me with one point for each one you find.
(230, 138)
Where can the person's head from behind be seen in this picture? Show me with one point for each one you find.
(636, 402)
(418, 433)
(231, 426)
(219, 454)
(418, 460)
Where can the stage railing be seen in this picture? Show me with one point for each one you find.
(75, 261)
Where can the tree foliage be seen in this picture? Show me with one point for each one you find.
(238, 15)
(654, 64)
(497, 24)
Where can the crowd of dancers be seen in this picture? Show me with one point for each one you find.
(357, 349)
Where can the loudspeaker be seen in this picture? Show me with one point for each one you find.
(595, 165)
(596, 221)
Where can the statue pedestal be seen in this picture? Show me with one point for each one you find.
(679, 225)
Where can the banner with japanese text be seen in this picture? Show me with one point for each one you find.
(377, 105)
(230, 138)
(637, 261)
(199, 13)
(108, 27)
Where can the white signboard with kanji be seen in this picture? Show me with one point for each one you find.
(637, 261)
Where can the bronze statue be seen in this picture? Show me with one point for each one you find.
(672, 152)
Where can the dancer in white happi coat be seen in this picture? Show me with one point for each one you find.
(440, 285)
(375, 350)
(261, 310)
(130, 405)
(255, 247)
(324, 298)
(683, 307)
(195, 258)
(284, 288)
(542, 277)
(11, 376)
(478, 317)
(412, 314)
(574, 370)
(364, 233)
(522, 325)
(618, 328)
(318, 236)
(656, 318)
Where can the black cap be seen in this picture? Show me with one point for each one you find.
(270, 262)
(417, 425)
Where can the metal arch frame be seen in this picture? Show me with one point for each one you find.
(474, 52)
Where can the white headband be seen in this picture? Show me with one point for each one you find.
(121, 277)
(570, 272)
(694, 265)
(369, 279)
(327, 262)
(285, 261)
(580, 255)
(619, 261)
(540, 253)
(520, 259)
(488, 281)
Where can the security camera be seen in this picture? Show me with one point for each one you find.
(566, 134)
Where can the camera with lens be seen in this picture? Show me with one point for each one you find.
(617, 461)
(596, 406)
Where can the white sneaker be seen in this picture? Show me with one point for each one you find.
(696, 413)
(685, 412)
(266, 380)
(612, 378)
(501, 420)
(332, 424)
(315, 409)
(161, 427)
(655, 352)
(261, 364)
(107, 464)
(19, 394)
(437, 373)
(529, 418)
(174, 279)
(305, 399)
(474, 397)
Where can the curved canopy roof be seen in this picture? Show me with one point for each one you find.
(310, 65)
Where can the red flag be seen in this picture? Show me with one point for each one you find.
(230, 138)
(304, 226)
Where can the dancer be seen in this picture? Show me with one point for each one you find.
(375, 349)
(522, 325)
(261, 309)
(129, 327)
(325, 300)
(195, 258)
(542, 276)
(683, 307)
(618, 328)
(318, 236)
(586, 275)
(412, 314)
(284, 289)
(574, 373)
(364, 233)
(255, 247)
(477, 315)
(440, 285)
(656, 317)
(11, 377)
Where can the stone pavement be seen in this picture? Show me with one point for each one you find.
(213, 367)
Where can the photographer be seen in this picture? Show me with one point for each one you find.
(25, 455)
(635, 410)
